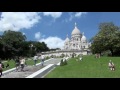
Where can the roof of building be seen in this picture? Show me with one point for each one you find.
(75, 30)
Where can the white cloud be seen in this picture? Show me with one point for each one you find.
(53, 42)
(18, 20)
(79, 14)
(37, 35)
(73, 15)
(53, 14)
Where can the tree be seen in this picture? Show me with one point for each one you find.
(11, 41)
(108, 38)
(14, 43)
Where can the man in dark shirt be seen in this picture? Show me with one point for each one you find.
(17, 63)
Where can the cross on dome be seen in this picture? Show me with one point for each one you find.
(83, 33)
(67, 35)
(75, 25)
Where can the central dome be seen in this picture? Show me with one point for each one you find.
(75, 30)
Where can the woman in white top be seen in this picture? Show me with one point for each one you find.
(22, 63)
(111, 65)
(42, 59)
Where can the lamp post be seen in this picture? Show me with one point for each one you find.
(31, 46)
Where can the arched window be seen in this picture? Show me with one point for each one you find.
(77, 39)
(74, 45)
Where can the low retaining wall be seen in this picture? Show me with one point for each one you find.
(8, 71)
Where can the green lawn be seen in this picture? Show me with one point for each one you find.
(12, 63)
(90, 67)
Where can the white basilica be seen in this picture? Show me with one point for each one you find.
(77, 41)
(77, 44)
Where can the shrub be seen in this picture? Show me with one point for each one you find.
(47, 57)
(61, 63)
(65, 62)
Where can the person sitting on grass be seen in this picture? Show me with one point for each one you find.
(111, 65)
(80, 58)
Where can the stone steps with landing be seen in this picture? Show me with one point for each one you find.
(29, 69)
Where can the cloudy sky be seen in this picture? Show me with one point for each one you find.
(52, 27)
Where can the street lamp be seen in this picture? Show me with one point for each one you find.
(31, 46)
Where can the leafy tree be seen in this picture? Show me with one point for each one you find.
(14, 43)
(108, 38)
(11, 41)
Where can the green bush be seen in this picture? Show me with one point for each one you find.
(47, 57)
(62, 63)
(65, 62)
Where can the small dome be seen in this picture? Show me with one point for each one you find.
(75, 30)
(67, 39)
(83, 38)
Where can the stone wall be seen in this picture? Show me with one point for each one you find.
(66, 53)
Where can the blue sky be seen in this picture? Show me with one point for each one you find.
(52, 27)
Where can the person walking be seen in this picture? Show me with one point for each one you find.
(35, 59)
(42, 59)
(17, 63)
(1, 68)
(22, 63)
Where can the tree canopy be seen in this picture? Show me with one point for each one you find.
(108, 38)
(14, 43)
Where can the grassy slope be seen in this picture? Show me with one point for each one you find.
(90, 67)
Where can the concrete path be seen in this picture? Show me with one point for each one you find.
(30, 69)
(53, 61)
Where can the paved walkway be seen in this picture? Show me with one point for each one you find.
(29, 70)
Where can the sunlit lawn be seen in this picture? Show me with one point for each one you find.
(90, 67)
